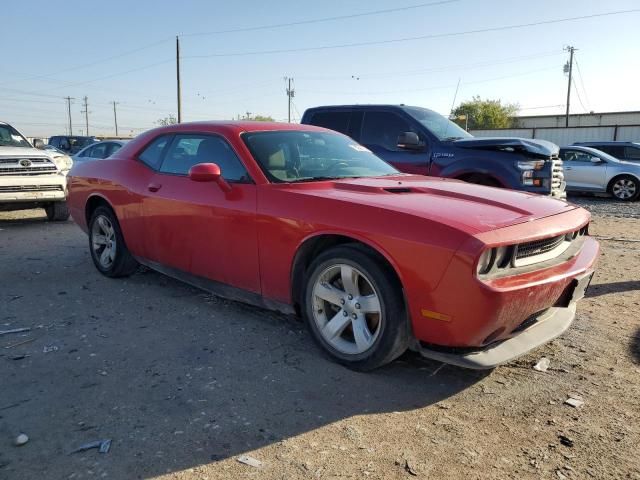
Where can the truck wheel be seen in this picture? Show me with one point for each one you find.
(625, 187)
(482, 180)
(106, 243)
(354, 309)
(57, 211)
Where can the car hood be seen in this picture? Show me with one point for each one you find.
(536, 148)
(27, 152)
(464, 206)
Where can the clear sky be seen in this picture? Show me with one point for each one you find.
(124, 51)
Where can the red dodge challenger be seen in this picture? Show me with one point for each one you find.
(304, 220)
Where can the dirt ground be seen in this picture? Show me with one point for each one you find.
(184, 383)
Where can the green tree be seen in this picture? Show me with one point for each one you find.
(170, 120)
(260, 118)
(479, 113)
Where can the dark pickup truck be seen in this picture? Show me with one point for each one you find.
(418, 140)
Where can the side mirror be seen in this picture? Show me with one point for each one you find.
(409, 141)
(209, 172)
(595, 160)
(38, 143)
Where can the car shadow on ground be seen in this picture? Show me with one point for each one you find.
(634, 347)
(176, 378)
(612, 287)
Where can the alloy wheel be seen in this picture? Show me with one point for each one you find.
(624, 189)
(347, 309)
(103, 241)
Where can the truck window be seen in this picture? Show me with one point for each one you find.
(338, 121)
(612, 150)
(383, 129)
(632, 153)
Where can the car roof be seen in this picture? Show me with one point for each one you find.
(238, 126)
(363, 106)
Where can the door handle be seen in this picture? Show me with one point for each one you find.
(154, 187)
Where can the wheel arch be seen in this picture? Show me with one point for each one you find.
(471, 176)
(314, 245)
(93, 202)
(620, 175)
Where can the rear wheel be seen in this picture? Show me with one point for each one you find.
(108, 250)
(354, 309)
(625, 188)
(57, 211)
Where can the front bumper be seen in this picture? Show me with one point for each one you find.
(548, 325)
(35, 188)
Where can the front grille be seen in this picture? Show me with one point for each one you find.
(557, 175)
(30, 188)
(36, 166)
(539, 247)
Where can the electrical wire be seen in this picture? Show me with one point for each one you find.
(415, 38)
(584, 90)
(320, 20)
(575, 87)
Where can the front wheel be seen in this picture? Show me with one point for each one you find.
(355, 309)
(108, 250)
(625, 188)
(57, 211)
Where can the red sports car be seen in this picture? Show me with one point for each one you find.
(304, 220)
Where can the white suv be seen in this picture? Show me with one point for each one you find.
(32, 177)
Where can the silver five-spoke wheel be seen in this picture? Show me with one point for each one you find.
(346, 309)
(103, 241)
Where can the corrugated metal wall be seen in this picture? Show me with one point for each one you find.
(566, 136)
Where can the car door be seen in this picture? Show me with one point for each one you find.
(581, 174)
(196, 227)
(379, 133)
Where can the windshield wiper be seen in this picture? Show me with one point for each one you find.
(452, 139)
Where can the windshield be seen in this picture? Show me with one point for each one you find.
(439, 125)
(296, 156)
(10, 137)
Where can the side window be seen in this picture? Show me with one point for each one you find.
(383, 129)
(112, 148)
(338, 121)
(612, 150)
(86, 153)
(99, 151)
(189, 150)
(576, 156)
(632, 153)
(152, 155)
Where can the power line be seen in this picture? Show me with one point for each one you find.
(419, 37)
(573, 81)
(584, 90)
(320, 20)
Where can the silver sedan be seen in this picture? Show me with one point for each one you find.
(99, 150)
(590, 170)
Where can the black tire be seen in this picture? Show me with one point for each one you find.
(57, 211)
(394, 331)
(123, 264)
(630, 183)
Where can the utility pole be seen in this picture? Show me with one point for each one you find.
(569, 69)
(86, 113)
(115, 116)
(68, 99)
(290, 94)
(178, 78)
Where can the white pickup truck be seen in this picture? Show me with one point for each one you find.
(32, 177)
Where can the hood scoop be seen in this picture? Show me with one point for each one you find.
(399, 190)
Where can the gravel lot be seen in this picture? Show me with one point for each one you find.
(184, 383)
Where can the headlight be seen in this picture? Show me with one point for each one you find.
(63, 162)
(485, 262)
(503, 257)
(531, 165)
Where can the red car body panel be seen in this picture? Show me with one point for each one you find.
(430, 230)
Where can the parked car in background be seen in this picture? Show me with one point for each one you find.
(32, 177)
(418, 140)
(589, 170)
(302, 219)
(98, 151)
(629, 151)
(70, 144)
